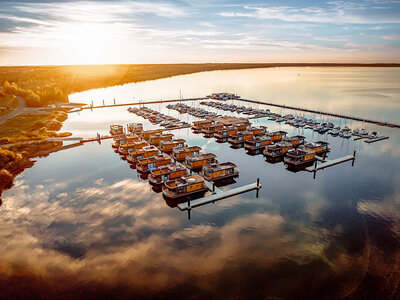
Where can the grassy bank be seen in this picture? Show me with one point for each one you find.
(43, 85)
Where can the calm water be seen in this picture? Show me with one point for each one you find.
(81, 222)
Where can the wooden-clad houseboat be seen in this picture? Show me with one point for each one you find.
(146, 164)
(196, 162)
(135, 127)
(166, 173)
(257, 130)
(223, 134)
(127, 142)
(157, 138)
(148, 133)
(198, 125)
(168, 145)
(300, 158)
(237, 140)
(319, 147)
(179, 154)
(257, 143)
(215, 171)
(184, 186)
(116, 129)
(131, 147)
(277, 150)
(147, 151)
(210, 129)
(295, 140)
(122, 139)
(242, 126)
(277, 136)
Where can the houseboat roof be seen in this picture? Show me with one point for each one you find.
(174, 141)
(116, 126)
(280, 132)
(186, 149)
(295, 137)
(167, 169)
(259, 138)
(154, 158)
(215, 167)
(279, 146)
(173, 184)
(299, 153)
(242, 133)
(316, 144)
(200, 157)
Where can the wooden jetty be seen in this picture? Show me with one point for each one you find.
(329, 163)
(376, 139)
(323, 113)
(219, 196)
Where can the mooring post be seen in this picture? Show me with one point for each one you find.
(315, 169)
(213, 187)
(114, 102)
(189, 208)
(104, 103)
(258, 187)
(354, 158)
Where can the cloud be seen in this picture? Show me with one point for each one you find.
(391, 37)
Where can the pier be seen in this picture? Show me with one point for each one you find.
(219, 196)
(324, 113)
(329, 163)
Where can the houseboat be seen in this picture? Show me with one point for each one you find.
(210, 129)
(166, 173)
(257, 143)
(184, 186)
(196, 162)
(168, 145)
(278, 150)
(300, 158)
(295, 140)
(126, 142)
(147, 151)
(198, 125)
(238, 139)
(116, 129)
(148, 133)
(149, 163)
(215, 171)
(131, 147)
(157, 138)
(135, 127)
(180, 154)
(121, 139)
(242, 126)
(257, 130)
(223, 134)
(319, 147)
(223, 96)
(277, 136)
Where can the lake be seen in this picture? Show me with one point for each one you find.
(81, 222)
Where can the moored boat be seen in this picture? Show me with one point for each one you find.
(147, 164)
(116, 129)
(147, 151)
(277, 136)
(223, 134)
(319, 147)
(196, 162)
(168, 145)
(300, 157)
(216, 171)
(210, 129)
(135, 127)
(127, 148)
(157, 138)
(277, 150)
(257, 130)
(198, 125)
(184, 186)
(295, 140)
(257, 143)
(148, 133)
(179, 154)
(166, 173)
(238, 139)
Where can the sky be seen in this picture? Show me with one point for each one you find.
(190, 31)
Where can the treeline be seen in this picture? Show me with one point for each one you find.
(43, 85)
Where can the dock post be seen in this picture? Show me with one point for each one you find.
(189, 208)
(354, 158)
(213, 187)
(114, 102)
(315, 169)
(258, 187)
(104, 103)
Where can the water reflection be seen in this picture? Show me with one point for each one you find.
(83, 219)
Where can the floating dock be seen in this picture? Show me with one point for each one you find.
(219, 196)
(376, 140)
(328, 163)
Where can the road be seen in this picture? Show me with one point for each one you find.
(17, 111)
